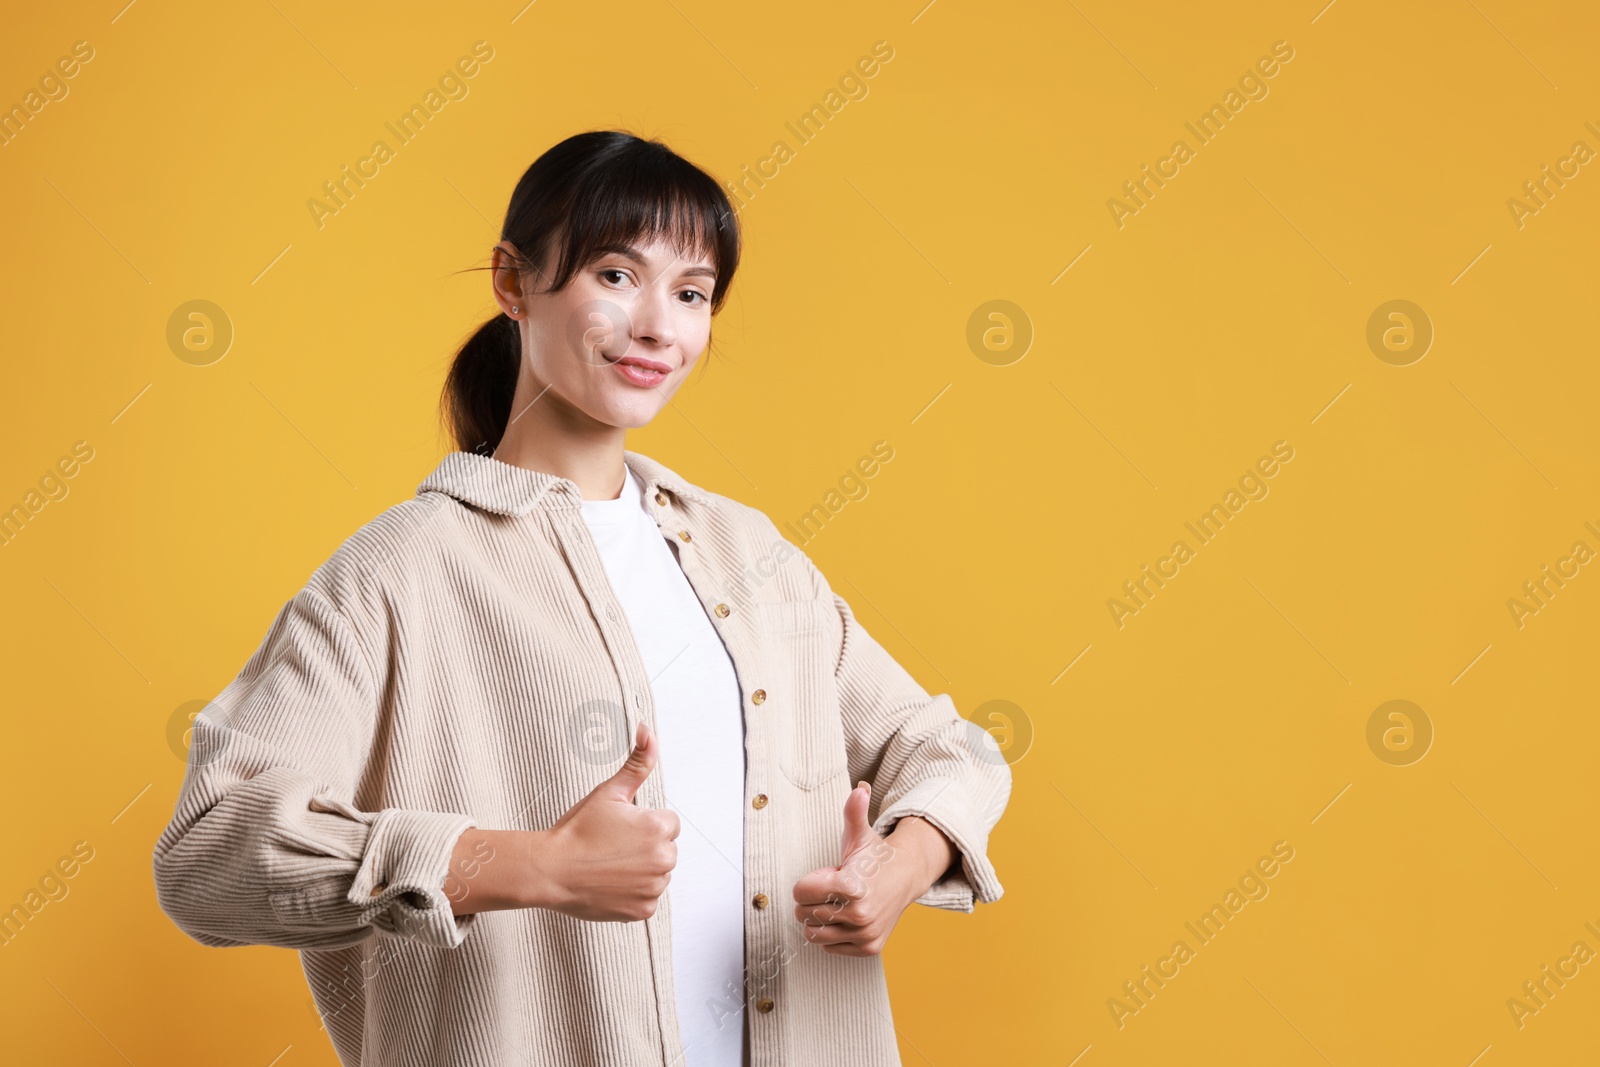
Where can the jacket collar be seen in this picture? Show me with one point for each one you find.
(505, 489)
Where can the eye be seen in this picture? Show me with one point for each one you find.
(605, 271)
(698, 293)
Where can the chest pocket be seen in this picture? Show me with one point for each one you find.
(801, 648)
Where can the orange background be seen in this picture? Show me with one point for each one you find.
(1229, 313)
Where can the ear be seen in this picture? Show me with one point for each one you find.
(506, 277)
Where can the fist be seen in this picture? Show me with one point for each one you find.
(607, 859)
(850, 909)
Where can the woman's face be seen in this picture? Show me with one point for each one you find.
(619, 339)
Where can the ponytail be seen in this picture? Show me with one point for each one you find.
(478, 389)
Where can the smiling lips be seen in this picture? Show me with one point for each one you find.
(643, 372)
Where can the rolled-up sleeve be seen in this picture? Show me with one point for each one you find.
(922, 759)
(265, 846)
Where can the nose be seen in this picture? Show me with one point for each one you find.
(652, 316)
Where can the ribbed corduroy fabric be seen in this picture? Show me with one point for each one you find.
(461, 660)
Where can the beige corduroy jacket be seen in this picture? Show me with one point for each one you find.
(461, 660)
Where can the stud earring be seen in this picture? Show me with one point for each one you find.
(513, 309)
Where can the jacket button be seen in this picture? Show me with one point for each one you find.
(764, 1005)
(722, 611)
(660, 499)
(760, 901)
(684, 534)
(759, 801)
(759, 696)
(378, 889)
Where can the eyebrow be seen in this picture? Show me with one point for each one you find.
(630, 252)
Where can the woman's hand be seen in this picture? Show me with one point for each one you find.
(607, 860)
(851, 909)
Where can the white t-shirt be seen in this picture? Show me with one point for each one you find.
(700, 726)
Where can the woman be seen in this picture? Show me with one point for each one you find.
(472, 753)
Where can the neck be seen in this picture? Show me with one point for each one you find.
(547, 436)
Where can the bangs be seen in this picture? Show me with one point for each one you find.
(641, 194)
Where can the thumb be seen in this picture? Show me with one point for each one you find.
(635, 769)
(858, 833)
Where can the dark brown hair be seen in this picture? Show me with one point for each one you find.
(594, 193)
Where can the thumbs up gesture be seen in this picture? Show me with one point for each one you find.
(606, 859)
(851, 909)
